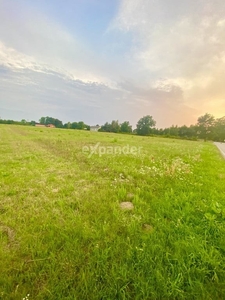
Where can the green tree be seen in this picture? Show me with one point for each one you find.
(80, 125)
(42, 120)
(126, 127)
(49, 120)
(74, 125)
(105, 128)
(32, 123)
(67, 125)
(115, 127)
(205, 126)
(174, 130)
(219, 129)
(145, 124)
(183, 131)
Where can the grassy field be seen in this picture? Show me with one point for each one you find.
(63, 233)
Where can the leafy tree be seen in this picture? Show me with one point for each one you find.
(50, 120)
(145, 124)
(126, 127)
(105, 128)
(67, 125)
(192, 131)
(57, 123)
(157, 131)
(219, 129)
(74, 125)
(205, 125)
(77, 125)
(80, 125)
(174, 130)
(32, 123)
(115, 127)
(42, 120)
(183, 131)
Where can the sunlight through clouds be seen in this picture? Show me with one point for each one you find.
(167, 56)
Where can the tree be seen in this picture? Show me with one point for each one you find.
(105, 128)
(67, 125)
(205, 125)
(57, 123)
(50, 120)
(126, 127)
(42, 120)
(74, 125)
(145, 124)
(77, 125)
(183, 131)
(219, 129)
(32, 123)
(174, 130)
(80, 125)
(115, 127)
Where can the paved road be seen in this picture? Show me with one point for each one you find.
(221, 147)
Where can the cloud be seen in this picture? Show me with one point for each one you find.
(35, 91)
(164, 58)
(182, 42)
(32, 36)
(178, 44)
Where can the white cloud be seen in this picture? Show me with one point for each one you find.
(17, 61)
(30, 39)
(178, 44)
(159, 57)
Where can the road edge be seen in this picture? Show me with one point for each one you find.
(221, 151)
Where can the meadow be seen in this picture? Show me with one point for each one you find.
(64, 235)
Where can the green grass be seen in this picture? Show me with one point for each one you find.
(64, 236)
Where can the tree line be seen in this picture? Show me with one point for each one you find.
(207, 127)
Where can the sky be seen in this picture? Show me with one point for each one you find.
(102, 60)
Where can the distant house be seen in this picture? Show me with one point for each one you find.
(39, 125)
(95, 128)
(42, 125)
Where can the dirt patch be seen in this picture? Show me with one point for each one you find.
(126, 206)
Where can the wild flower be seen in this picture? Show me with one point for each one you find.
(171, 168)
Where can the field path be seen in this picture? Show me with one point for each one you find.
(221, 147)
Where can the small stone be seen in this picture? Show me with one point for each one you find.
(126, 206)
